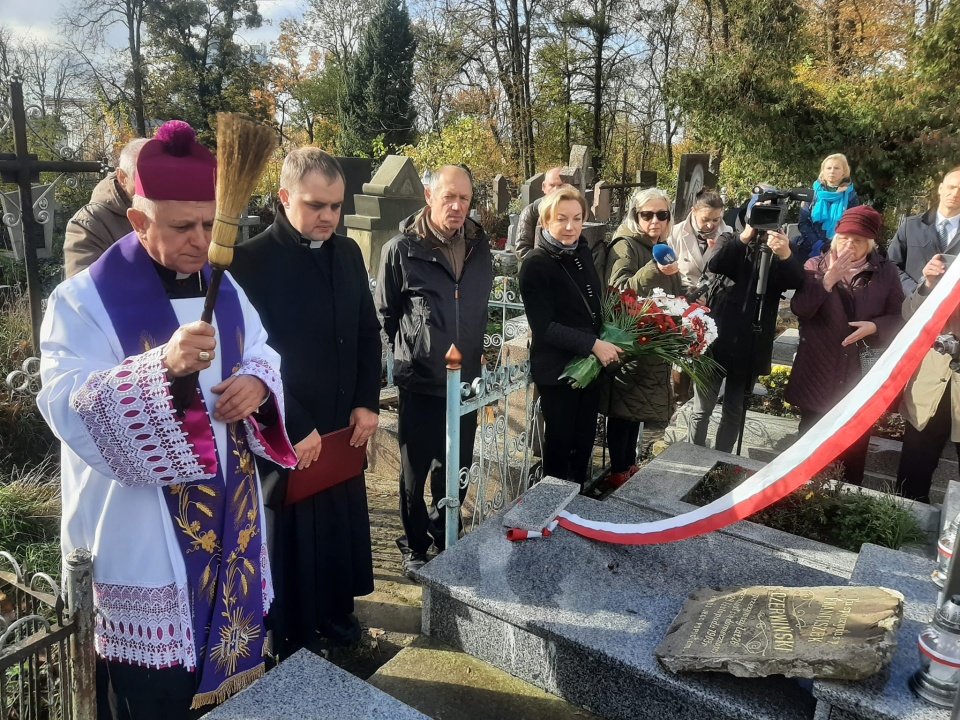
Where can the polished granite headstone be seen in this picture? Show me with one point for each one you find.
(837, 632)
(308, 687)
(582, 619)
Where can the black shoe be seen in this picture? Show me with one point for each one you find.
(412, 563)
(342, 631)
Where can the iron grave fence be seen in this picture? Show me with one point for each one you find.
(47, 662)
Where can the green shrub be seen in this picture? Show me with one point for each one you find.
(25, 439)
(30, 518)
(823, 510)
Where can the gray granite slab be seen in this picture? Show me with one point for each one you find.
(306, 686)
(582, 619)
(886, 696)
(540, 505)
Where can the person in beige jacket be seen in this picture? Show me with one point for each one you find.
(931, 401)
(101, 222)
(691, 238)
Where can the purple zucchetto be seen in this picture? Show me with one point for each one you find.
(174, 166)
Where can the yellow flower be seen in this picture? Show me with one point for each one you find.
(809, 496)
(195, 526)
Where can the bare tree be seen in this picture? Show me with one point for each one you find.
(86, 24)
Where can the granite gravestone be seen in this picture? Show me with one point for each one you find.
(647, 178)
(580, 158)
(601, 202)
(501, 195)
(694, 175)
(573, 176)
(532, 189)
(394, 193)
(841, 633)
(356, 172)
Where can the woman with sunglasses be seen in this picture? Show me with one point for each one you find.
(640, 392)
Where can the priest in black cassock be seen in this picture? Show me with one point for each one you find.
(311, 289)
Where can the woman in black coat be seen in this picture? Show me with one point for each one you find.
(561, 294)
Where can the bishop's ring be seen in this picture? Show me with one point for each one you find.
(204, 356)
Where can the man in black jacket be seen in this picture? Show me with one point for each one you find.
(432, 292)
(312, 291)
(743, 351)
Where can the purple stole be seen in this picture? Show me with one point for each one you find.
(216, 521)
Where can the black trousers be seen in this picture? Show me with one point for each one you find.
(570, 419)
(140, 693)
(622, 437)
(422, 435)
(921, 452)
(854, 458)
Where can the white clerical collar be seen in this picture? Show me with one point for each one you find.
(184, 276)
(314, 244)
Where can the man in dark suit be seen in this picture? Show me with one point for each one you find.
(923, 236)
(921, 249)
(312, 291)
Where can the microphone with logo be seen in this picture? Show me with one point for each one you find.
(664, 254)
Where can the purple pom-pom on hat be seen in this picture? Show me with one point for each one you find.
(174, 166)
(178, 136)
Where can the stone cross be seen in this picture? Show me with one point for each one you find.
(23, 168)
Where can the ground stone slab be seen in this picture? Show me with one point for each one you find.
(842, 633)
(308, 687)
(540, 505)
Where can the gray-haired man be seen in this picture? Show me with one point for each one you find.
(101, 222)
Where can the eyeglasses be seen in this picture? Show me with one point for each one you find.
(648, 215)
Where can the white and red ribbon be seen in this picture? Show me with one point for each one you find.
(822, 444)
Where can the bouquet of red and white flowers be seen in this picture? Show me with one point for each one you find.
(662, 325)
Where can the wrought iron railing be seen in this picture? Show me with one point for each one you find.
(47, 662)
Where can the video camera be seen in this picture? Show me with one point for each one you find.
(773, 216)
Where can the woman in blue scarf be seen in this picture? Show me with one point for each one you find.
(833, 195)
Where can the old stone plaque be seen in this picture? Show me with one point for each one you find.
(841, 633)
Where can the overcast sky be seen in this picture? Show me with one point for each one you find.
(37, 17)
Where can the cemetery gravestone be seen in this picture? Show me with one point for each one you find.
(394, 193)
(581, 159)
(646, 178)
(532, 189)
(501, 195)
(573, 176)
(694, 175)
(841, 633)
(357, 172)
(601, 202)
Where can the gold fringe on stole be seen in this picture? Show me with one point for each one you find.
(229, 687)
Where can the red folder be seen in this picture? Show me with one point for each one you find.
(338, 462)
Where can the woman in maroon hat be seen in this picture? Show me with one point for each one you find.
(850, 301)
